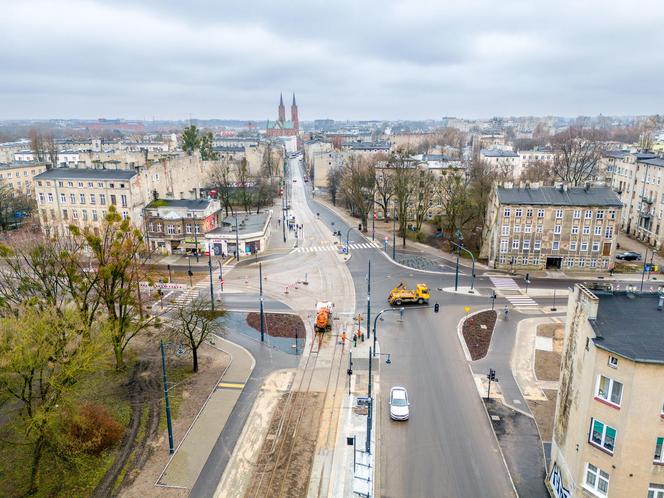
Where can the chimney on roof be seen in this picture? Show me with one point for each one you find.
(586, 187)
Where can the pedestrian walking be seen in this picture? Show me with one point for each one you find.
(506, 311)
(343, 340)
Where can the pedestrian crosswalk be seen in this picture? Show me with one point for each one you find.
(335, 248)
(512, 292)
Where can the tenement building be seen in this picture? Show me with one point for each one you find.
(19, 175)
(554, 228)
(81, 197)
(608, 433)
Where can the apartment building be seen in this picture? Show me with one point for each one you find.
(81, 196)
(608, 432)
(179, 225)
(19, 176)
(557, 228)
(505, 162)
(637, 179)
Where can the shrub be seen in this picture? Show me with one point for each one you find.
(93, 429)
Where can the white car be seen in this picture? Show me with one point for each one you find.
(399, 403)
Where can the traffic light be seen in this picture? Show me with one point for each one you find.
(190, 273)
(492, 374)
(436, 307)
(527, 277)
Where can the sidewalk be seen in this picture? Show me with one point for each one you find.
(190, 456)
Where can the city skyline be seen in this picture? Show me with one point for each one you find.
(344, 61)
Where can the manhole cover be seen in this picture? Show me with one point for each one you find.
(495, 418)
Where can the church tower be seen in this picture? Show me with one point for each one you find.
(294, 118)
(282, 110)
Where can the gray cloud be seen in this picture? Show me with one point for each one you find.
(345, 59)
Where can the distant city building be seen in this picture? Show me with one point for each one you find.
(505, 162)
(608, 431)
(19, 176)
(283, 127)
(551, 228)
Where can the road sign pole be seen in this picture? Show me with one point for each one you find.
(171, 448)
(211, 283)
(369, 302)
(260, 277)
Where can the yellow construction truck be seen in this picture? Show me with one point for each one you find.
(401, 295)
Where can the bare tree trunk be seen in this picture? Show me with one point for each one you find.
(37, 452)
(194, 353)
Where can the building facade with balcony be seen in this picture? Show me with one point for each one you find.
(608, 431)
(554, 228)
(178, 226)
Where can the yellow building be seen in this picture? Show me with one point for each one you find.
(19, 175)
(608, 433)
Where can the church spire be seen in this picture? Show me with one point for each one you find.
(293, 104)
(282, 109)
(294, 117)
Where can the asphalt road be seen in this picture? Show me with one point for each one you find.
(448, 447)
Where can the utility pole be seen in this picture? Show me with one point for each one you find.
(369, 302)
(211, 283)
(196, 238)
(369, 413)
(237, 238)
(260, 277)
(373, 226)
(643, 272)
(456, 272)
(394, 235)
(171, 448)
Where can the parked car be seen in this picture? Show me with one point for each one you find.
(629, 256)
(399, 403)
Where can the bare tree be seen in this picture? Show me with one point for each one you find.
(52, 150)
(537, 171)
(242, 176)
(578, 152)
(481, 179)
(425, 195)
(358, 184)
(452, 192)
(333, 183)
(37, 144)
(384, 188)
(404, 174)
(220, 177)
(194, 323)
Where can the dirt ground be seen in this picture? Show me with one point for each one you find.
(544, 412)
(547, 365)
(278, 324)
(477, 337)
(284, 464)
(193, 392)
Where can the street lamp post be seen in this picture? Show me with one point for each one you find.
(370, 412)
(168, 404)
(400, 310)
(369, 300)
(170, 280)
(394, 235)
(211, 283)
(189, 272)
(347, 236)
(283, 212)
(472, 281)
(260, 277)
(237, 238)
(373, 226)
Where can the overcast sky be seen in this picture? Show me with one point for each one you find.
(344, 59)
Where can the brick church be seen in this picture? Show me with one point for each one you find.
(282, 127)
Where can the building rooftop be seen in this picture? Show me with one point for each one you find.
(86, 174)
(655, 161)
(498, 153)
(630, 326)
(191, 204)
(554, 196)
(21, 164)
(228, 148)
(248, 223)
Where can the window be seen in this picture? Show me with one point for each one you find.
(111, 185)
(540, 213)
(593, 263)
(612, 215)
(187, 228)
(63, 198)
(602, 435)
(50, 197)
(589, 214)
(570, 262)
(557, 229)
(197, 228)
(125, 215)
(655, 490)
(526, 244)
(559, 214)
(575, 230)
(74, 214)
(517, 228)
(659, 457)
(600, 214)
(123, 200)
(81, 198)
(582, 262)
(80, 184)
(84, 213)
(598, 230)
(102, 199)
(113, 199)
(90, 184)
(93, 199)
(539, 229)
(503, 245)
(613, 362)
(608, 232)
(528, 228)
(572, 245)
(100, 184)
(555, 245)
(595, 247)
(158, 227)
(609, 390)
(517, 212)
(584, 246)
(41, 197)
(170, 229)
(597, 481)
(70, 184)
(586, 230)
(538, 245)
(506, 212)
(529, 213)
(65, 215)
(94, 215)
(72, 198)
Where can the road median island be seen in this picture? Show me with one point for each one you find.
(477, 331)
